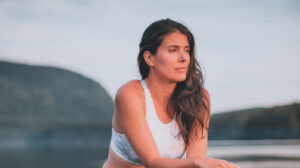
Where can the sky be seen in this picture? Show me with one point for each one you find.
(248, 50)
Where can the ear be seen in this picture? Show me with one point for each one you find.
(148, 57)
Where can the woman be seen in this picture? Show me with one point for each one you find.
(158, 119)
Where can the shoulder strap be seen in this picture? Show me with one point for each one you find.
(143, 82)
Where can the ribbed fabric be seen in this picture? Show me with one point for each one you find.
(167, 138)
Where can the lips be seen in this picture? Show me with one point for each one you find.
(183, 69)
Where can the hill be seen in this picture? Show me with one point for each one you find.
(278, 122)
(39, 102)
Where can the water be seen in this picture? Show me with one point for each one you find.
(258, 153)
(246, 154)
(78, 157)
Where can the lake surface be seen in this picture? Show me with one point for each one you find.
(258, 153)
(246, 154)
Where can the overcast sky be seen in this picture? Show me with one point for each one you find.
(249, 50)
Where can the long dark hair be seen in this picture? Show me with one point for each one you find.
(188, 96)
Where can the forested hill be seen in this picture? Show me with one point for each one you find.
(278, 122)
(39, 97)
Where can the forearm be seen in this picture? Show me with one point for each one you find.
(163, 162)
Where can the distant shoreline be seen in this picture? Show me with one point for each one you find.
(256, 142)
(260, 158)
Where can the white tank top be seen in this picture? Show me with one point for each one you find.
(167, 138)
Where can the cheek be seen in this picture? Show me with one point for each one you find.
(188, 60)
(167, 64)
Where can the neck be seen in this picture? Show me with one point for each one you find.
(161, 89)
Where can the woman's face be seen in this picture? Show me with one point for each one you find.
(172, 58)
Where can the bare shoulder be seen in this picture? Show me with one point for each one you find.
(197, 127)
(130, 90)
(206, 96)
(205, 91)
(129, 102)
(207, 102)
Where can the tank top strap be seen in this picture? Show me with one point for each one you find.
(143, 82)
(147, 93)
(150, 110)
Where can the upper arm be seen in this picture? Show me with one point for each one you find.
(129, 107)
(197, 147)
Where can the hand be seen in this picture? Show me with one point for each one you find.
(207, 162)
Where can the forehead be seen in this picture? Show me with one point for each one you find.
(175, 38)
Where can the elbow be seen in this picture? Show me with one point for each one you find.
(152, 163)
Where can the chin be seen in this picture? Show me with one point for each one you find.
(180, 78)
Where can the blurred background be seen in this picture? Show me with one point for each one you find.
(62, 61)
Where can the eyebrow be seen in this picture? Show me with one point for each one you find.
(173, 45)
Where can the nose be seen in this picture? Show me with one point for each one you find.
(183, 56)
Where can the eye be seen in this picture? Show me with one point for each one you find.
(172, 50)
(188, 51)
